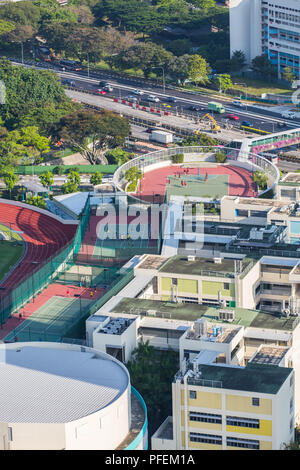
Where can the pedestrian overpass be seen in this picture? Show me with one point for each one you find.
(271, 141)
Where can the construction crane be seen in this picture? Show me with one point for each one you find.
(215, 127)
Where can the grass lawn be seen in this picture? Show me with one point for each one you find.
(257, 87)
(254, 87)
(10, 252)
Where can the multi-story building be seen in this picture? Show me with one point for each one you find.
(233, 335)
(256, 211)
(217, 407)
(270, 27)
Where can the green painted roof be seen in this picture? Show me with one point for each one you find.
(193, 311)
(259, 378)
(202, 266)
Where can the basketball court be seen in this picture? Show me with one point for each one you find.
(204, 185)
(219, 180)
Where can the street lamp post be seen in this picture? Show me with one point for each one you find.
(245, 85)
(88, 61)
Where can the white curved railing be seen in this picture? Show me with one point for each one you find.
(164, 156)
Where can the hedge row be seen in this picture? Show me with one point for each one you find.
(38, 170)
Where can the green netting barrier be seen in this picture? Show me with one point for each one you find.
(54, 325)
(43, 274)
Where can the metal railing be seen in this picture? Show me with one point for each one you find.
(256, 162)
(143, 434)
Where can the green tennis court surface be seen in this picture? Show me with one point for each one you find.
(50, 321)
(87, 276)
(198, 186)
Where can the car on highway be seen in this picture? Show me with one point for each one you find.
(153, 98)
(108, 88)
(132, 99)
(288, 114)
(103, 83)
(238, 103)
(196, 108)
(68, 82)
(138, 92)
(73, 65)
(233, 117)
(170, 99)
(282, 124)
(247, 124)
(98, 91)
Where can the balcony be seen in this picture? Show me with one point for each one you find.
(277, 292)
(137, 438)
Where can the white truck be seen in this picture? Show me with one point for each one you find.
(161, 137)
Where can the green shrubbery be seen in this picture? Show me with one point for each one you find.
(220, 157)
(260, 178)
(179, 158)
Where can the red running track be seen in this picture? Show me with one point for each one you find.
(154, 182)
(43, 235)
(40, 300)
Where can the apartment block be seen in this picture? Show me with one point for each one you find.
(270, 27)
(263, 212)
(229, 408)
(205, 280)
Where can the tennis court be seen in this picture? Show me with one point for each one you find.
(87, 276)
(204, 185)
(51, 320)
(108, 238)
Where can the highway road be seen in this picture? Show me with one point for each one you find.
(288, 166)
(260, 119)
(122, 87)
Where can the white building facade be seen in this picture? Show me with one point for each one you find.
(270, 27)
(58, 396)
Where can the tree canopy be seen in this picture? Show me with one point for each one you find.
(91, 133)
(32, 97)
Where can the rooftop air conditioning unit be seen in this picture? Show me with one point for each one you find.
(218, 260)
(200, 327)
(226, 315)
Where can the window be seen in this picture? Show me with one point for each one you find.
(243, 422)
(174, 281)
(245, 443)
(205, 417)
(207, 438)
(291, 424)
(10, 435)
(193, 394)
(291, 404)
(226, 285)
(255, 401)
